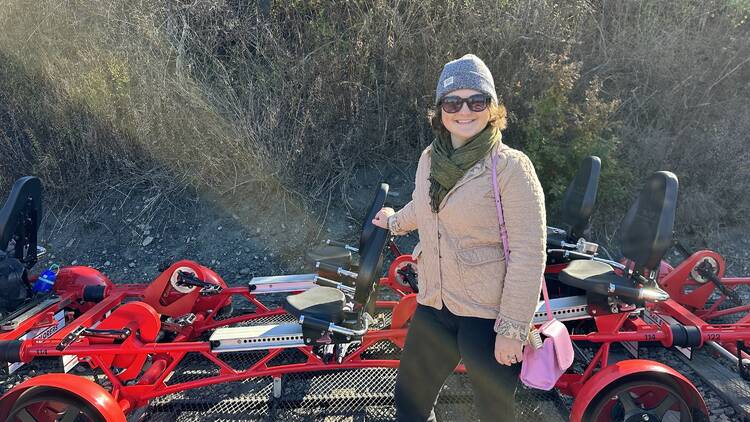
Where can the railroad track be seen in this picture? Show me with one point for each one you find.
(366, 394)
(354, 395)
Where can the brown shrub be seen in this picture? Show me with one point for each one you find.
(213, 93)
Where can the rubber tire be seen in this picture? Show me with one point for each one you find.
(605, 394)
(40, 394)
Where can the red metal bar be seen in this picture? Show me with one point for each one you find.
(725, 312)
(679, 312)
(645, 335)
(116, 384)
(48, 348)
(600, 357)
(744, 320)
(224, 368)
(735, 281)
(88, 318)
(706, 314)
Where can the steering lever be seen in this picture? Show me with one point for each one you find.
(92, 332)
(705, 269)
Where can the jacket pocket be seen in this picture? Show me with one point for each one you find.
(482, 272)
(417, 256)
(421, 279)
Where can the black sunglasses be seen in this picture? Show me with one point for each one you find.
(476, 103)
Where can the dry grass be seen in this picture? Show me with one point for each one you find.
(214, 95)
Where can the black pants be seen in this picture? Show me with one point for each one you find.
(436, 342)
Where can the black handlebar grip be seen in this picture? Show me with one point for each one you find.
(327, 267)
(10, 351)
(625, 291)
(609, 289)
(94, 293)
(556, 243)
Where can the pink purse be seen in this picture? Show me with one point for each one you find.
(542, 366)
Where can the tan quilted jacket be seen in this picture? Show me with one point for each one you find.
(460, 255)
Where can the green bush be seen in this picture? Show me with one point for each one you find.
(560, 128)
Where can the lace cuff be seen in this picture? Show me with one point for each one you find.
(510, 328)
(393, 225)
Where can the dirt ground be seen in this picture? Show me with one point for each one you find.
(129, 235)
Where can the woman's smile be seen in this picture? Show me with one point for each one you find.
(464, 123)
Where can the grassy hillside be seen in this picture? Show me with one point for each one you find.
(222, 96)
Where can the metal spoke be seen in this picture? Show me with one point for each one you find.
(25, 416)
(665, 405)
(627, 401)
(640, 399)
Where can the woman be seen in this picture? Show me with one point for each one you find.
(473, 305)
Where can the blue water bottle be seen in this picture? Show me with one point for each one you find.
(46, 279)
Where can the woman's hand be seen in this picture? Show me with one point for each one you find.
(381, 218)
(507, 350)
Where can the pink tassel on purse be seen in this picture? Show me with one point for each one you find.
(542, 366)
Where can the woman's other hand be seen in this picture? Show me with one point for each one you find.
(507, 350)
(381, 218)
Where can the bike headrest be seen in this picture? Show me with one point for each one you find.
(367, 227)
(371, 252)
(647, 227)
(580, 197)
(20, 217)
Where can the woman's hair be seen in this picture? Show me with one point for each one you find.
(498, 118)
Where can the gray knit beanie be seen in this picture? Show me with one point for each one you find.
(467, 72)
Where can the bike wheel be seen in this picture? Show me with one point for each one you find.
(43, 404)
(641, 400)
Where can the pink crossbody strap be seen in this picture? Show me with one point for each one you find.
(504, 232)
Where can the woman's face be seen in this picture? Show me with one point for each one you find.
(465, 123)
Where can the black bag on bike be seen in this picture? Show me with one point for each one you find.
(14, 289)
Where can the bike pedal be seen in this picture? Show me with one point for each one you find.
(178, 323)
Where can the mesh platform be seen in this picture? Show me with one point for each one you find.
(351, 395)
(744, 292)
(337, 395)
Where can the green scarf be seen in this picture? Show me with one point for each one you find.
(449, 164)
